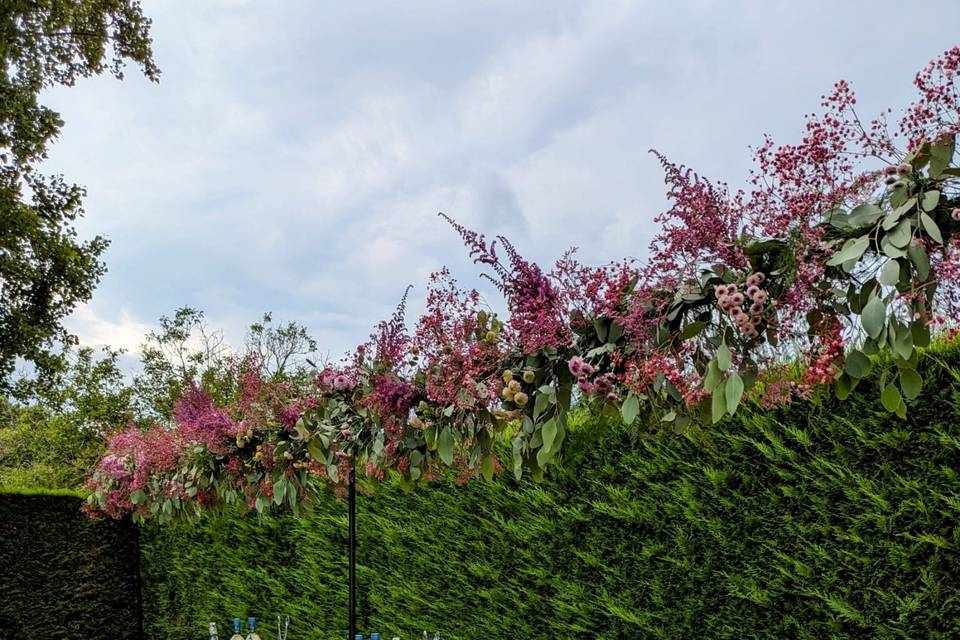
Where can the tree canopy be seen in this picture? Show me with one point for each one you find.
(45, 269)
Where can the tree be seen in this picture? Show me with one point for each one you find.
(278, 348)
(45, 270)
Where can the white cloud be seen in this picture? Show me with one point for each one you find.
(294, 156)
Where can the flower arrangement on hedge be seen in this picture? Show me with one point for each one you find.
(842, 246)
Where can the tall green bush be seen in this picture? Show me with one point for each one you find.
(65, 576)
(823, 520)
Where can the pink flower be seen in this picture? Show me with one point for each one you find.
(576, 365)
(343, 382)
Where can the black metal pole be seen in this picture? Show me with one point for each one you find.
(352, 526)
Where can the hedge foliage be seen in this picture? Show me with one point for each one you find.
(65, 576)
(823, 520)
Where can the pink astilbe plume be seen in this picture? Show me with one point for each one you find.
(390, 343)
(701, 227)
(537, 314)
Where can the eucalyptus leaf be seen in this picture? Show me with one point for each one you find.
(891, 250)
(724, 357)
(874, 317)
(853, 249)
(630, 408)
(931, 227)
(713, 377)
(920, 260)
(890, 398)
(900, 234)
(692, 329)
(865, 214)
(911, 383)
(857, 365)
(549, 430)
(940, 155)
(845, 386)
(734, 392)
(930, 200)
(718, 403)
(890, 273)
(445, 446)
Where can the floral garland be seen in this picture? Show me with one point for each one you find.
(843, 246)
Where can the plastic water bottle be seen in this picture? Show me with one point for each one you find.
(374, 636)
(212, 627)
(236, 630)
(252, 629)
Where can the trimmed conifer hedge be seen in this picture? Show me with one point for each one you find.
(822, 520)
(65, 576)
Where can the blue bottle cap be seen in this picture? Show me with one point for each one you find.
(252, 624)
(236, 625)
(375, 636)
(359, 636)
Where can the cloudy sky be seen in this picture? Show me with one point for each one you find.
(295, 154)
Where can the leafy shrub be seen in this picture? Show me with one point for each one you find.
(819, 520)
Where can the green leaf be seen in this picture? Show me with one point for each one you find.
(852, 249)
(902, 410)
(874, 317)
(518, 457)
(630, 408)
(713, 376)
(911, 383)
(540, 402)
(279, 490)
(890, 273)
(316, 450)
(865, 214)
(616, 330)
(900, 234)
(940, 156)
(549, 431)
(890, 398)
(544, 455)
(891, 250)
(857, 365)
(931, 227)
(445, 446)
(894, 216)
(487, 466)
(921, 333)
(845, 386)
(692, 329)
(718, 404)
(601, 329)
(734, 392)
(930, 200)
(920, 259)
(724, 358)
(903, 342)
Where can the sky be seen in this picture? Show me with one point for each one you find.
(295, 154)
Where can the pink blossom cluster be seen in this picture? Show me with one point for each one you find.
(731, 301)
(590, 384)
(200, 422)
(460, 355)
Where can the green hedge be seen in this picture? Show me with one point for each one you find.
(64, 575)
(823, 520)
